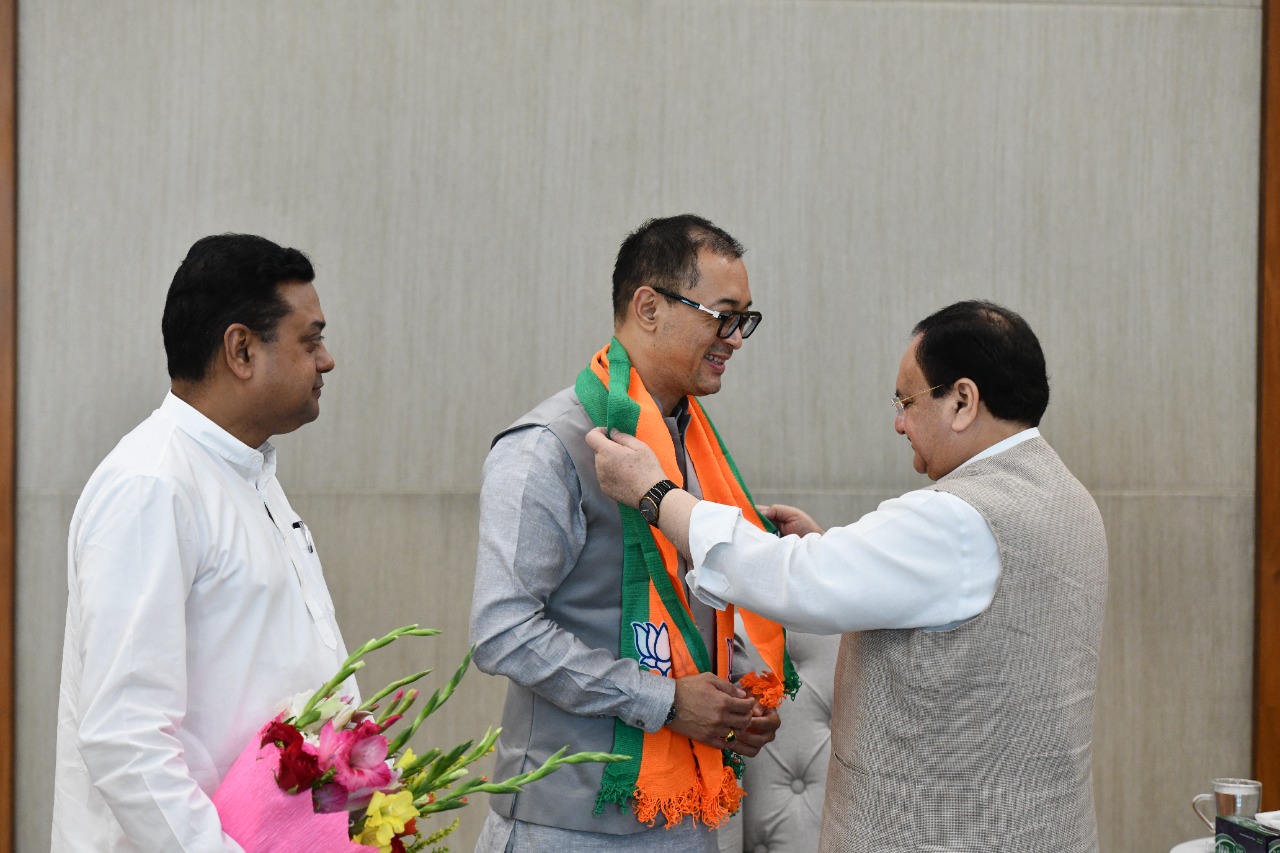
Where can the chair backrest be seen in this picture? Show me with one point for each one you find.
(782, 812)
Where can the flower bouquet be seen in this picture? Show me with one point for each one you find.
(324, 775)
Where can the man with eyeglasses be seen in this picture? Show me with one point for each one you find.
(971, 610)
(582, 604)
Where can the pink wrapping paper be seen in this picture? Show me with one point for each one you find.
(264, 819)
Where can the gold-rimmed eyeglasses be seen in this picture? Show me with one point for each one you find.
(900, 403)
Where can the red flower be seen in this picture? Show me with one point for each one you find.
(298, 768)
(410, 832)
(281, 734)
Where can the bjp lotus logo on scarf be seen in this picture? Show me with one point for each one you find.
(653, 644)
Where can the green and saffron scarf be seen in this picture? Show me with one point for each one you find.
(668, 773)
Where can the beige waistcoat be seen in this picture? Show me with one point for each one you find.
(978, 739)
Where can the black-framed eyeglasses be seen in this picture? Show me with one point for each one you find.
(730, 321)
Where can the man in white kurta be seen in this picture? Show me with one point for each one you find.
(972, 611)
(196, 601)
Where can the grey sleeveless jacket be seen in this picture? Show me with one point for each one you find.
(588, 605)
(978, 739)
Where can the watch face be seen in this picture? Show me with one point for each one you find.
(648, 509)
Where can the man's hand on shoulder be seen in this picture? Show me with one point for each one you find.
(708, 708)
(625, 466)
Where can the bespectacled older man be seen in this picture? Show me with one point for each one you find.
(972, 609)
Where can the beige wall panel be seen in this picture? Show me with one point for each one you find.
(42, 602)
(1082, 165)
(462, 172)
(1175, 688)
(464, 185)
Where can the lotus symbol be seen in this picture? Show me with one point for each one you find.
(654, 645)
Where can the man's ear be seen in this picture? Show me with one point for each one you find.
(238, 342)
(966, 404)
(644, 307)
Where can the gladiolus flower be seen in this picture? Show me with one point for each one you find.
(292, 707)
(385, 819)
(329, 798)
(338, 711)
(363, 764)
(358, 759)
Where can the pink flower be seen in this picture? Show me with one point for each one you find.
(358, 759)
(329, 797)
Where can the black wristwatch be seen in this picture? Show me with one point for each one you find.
(653, 499)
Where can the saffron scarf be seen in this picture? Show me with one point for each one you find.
(669, 773)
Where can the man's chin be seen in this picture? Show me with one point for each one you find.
(710, 385)
(305, 417)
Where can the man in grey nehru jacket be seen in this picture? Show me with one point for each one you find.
(971, 610)
(581, 603)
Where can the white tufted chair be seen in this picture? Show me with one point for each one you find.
(782, 812)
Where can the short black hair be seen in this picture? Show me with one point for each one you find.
(664, 253)
(995, 348)
(225, 279)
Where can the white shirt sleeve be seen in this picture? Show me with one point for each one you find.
(134, 566)
(923, 560)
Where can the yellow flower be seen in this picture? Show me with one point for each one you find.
(385, 819)
(406, 759)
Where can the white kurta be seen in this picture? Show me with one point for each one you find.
(196, 604)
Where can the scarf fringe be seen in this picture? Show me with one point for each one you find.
(768, 688)
(711, 808)
(765, 686)
(793, 683)
(613, 793)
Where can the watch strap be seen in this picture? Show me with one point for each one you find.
(654, 496)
